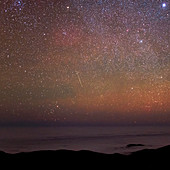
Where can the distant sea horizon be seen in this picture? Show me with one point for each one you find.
(103, 139)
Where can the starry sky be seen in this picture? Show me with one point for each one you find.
(85, 61)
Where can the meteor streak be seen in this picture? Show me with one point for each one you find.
(79, 79)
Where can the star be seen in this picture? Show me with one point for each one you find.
(141, 41)
(163, 5)
(64, 33)
(19, 4)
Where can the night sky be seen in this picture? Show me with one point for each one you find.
(85, 61)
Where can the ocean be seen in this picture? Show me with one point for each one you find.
(103, 139)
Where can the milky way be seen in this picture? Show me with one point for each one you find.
(95, 61)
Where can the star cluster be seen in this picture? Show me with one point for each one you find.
(85, 61)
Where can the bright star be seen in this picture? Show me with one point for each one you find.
(164, 5)
(141, 41)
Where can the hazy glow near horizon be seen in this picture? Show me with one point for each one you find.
(85, 61)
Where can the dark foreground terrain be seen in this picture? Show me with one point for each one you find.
(61, 159)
